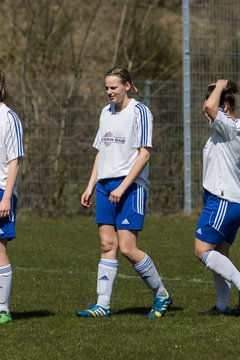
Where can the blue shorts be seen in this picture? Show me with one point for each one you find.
(219, 220)
(7, 225)
(128, 214)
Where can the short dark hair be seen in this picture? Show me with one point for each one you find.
(227, 95)
(3, 91)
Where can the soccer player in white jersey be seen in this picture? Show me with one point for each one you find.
(120, 174)
(11, 151)
(220, 219)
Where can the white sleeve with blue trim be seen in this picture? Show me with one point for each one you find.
(97, 140)
(14, 137)
(145, 125)
(225, 126)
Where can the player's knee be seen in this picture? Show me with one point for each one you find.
(3, 252)
(201, 248)
(126, 251)
(198, 253)
(107, 245)
(3, 259)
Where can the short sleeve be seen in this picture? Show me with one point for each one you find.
(225, 126)
(97, 141)
(144, 125)
(14, 137)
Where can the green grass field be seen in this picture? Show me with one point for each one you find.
(55, 263)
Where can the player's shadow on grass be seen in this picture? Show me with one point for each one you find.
(144, 310)
(31, 314)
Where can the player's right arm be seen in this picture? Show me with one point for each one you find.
(85, 198)
(5, 203)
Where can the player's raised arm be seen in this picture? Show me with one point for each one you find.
(211, 105)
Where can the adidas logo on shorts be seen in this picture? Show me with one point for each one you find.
(199, 231)
(125, 222)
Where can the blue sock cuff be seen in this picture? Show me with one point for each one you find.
(144, 264)
(6, 270)
(113, 264)
(205, 256)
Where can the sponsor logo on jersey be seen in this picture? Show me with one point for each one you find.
(108, 139)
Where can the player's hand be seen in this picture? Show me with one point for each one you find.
(222, 84)
(85, 199)
(5, 207)
(116, 195)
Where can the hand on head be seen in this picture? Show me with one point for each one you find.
(226, 85)
(223, 84)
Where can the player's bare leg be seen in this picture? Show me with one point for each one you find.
(146, 269)
(107, 272)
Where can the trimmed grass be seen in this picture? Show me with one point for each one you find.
(55, 270)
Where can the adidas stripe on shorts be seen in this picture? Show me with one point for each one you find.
(219, 220)
(128, 214)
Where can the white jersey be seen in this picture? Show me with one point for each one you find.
(11, 146)
(119, 137)
(221, 158)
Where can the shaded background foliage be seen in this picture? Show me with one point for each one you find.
(55, 54)
(49, 51)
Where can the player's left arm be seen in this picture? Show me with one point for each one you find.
(5, 203)
(211, 105)
(204, 113)
(140, 163)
